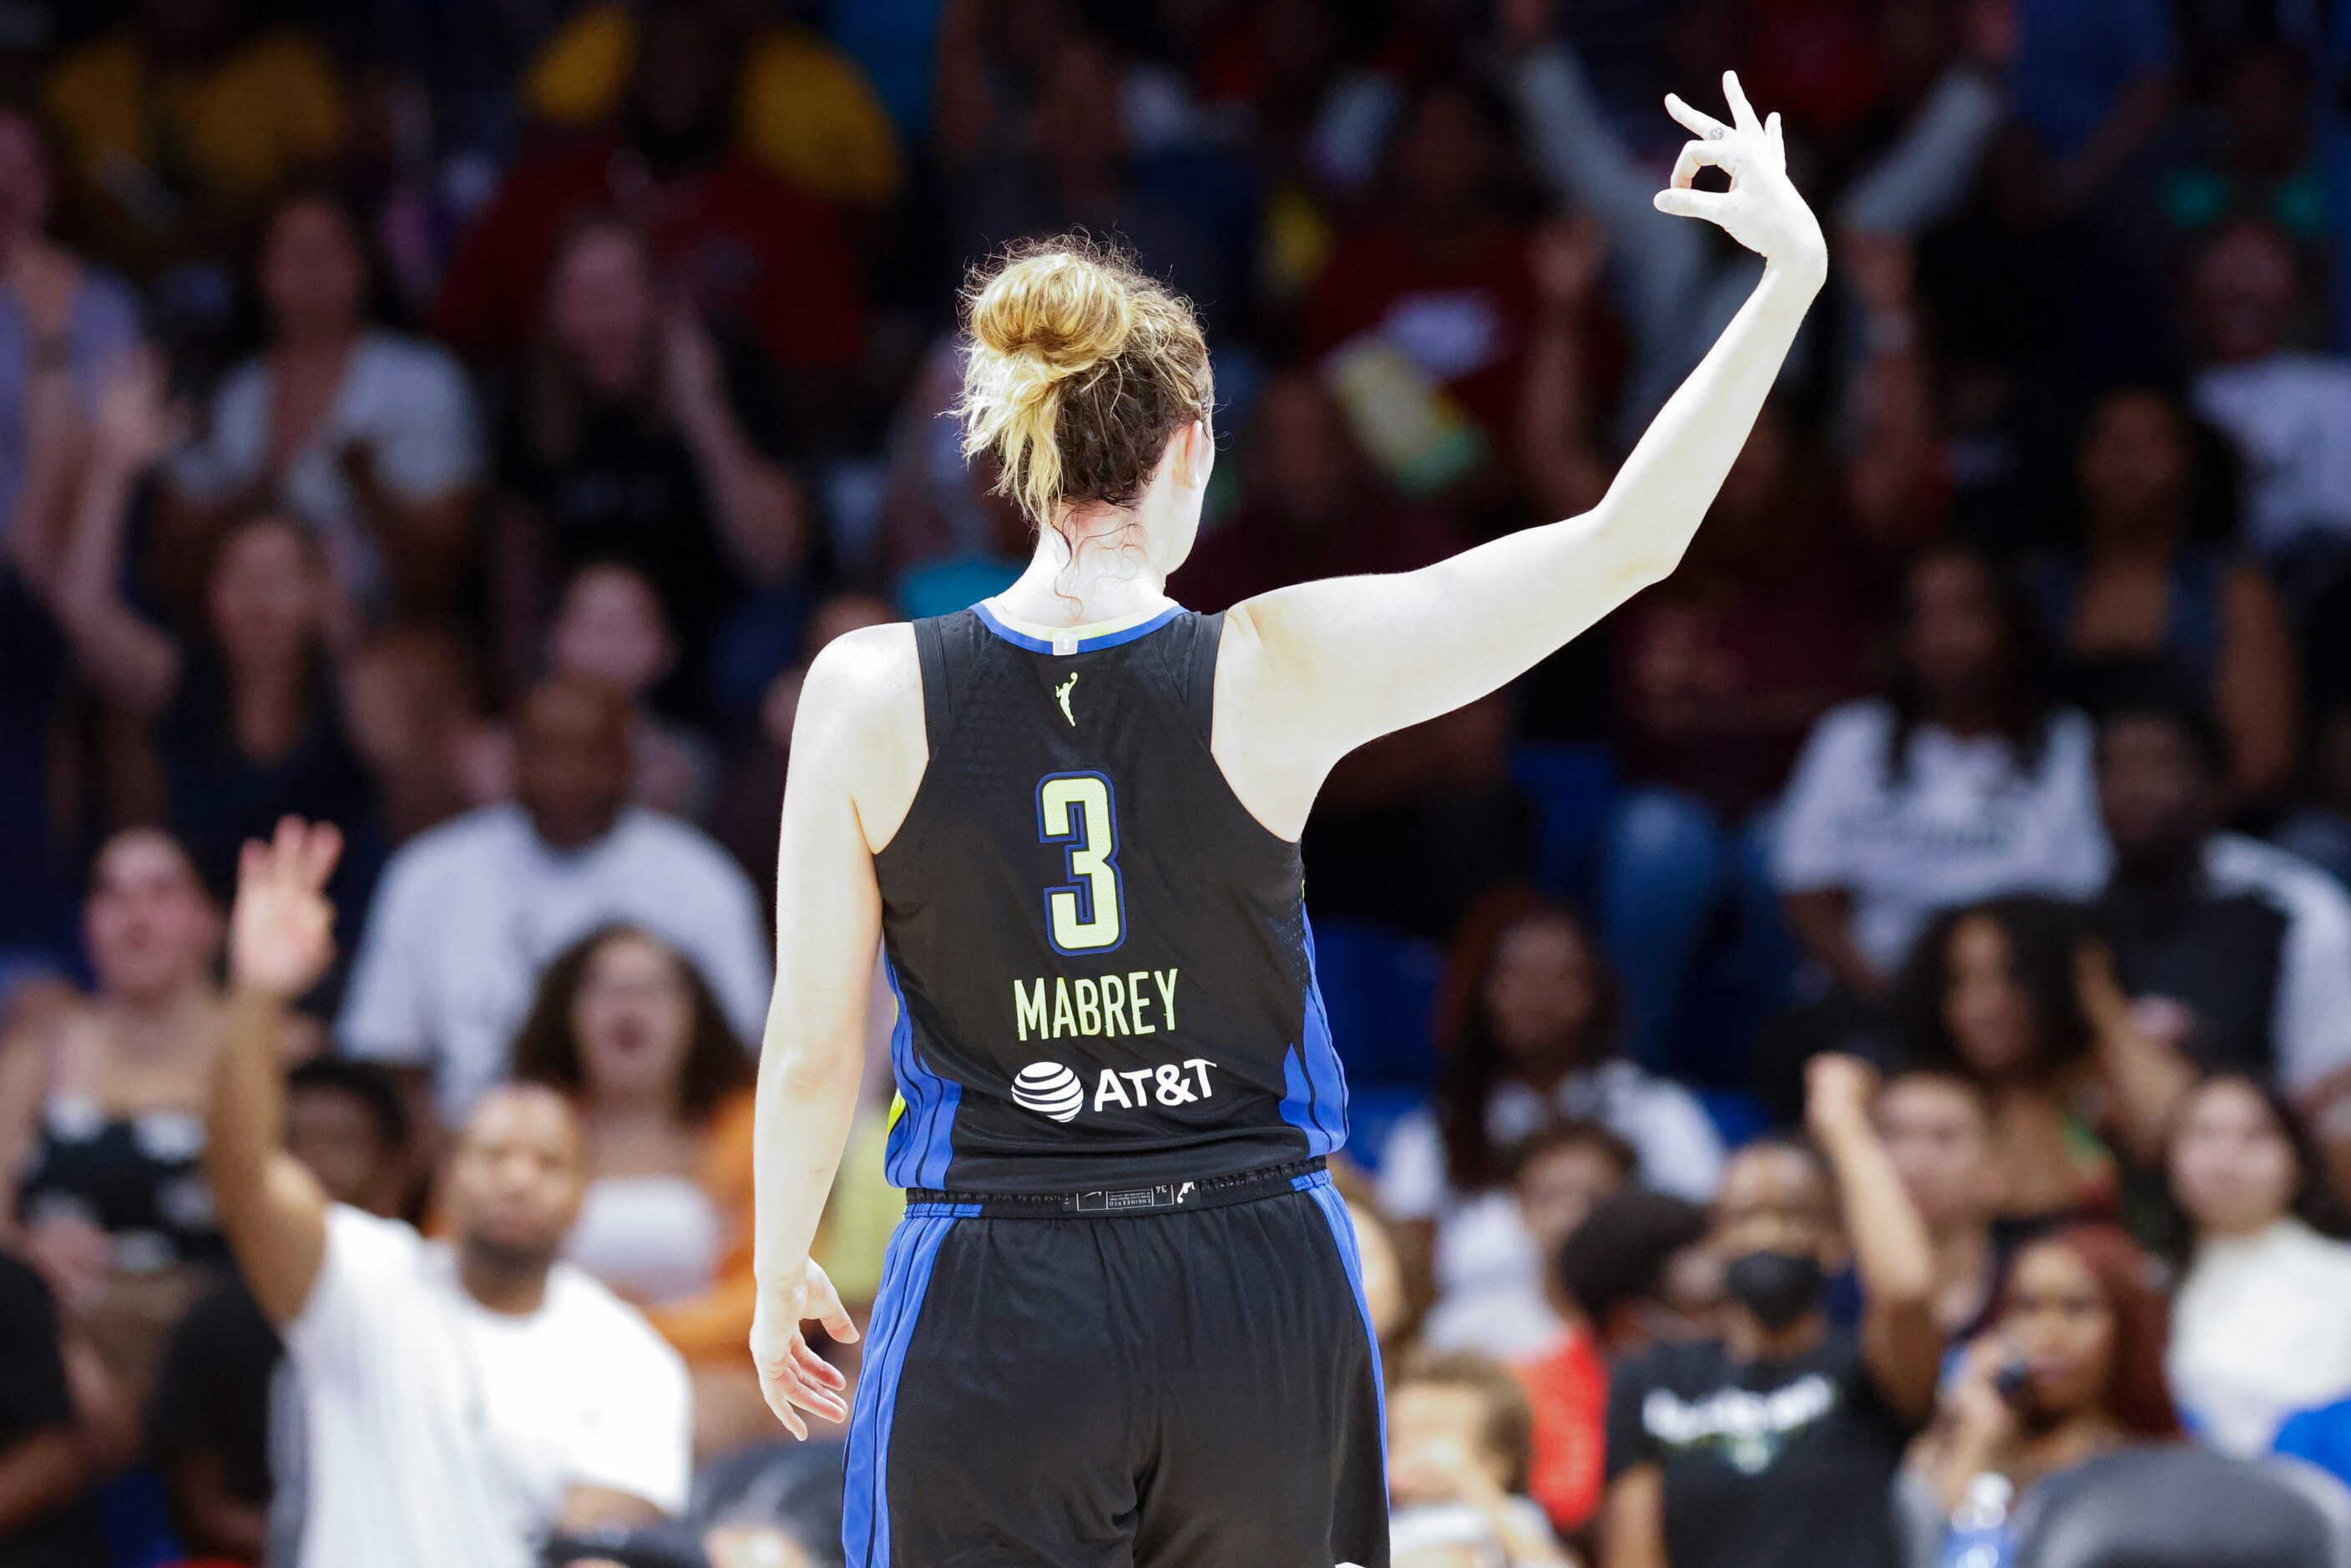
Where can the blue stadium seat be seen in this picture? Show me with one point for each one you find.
(1573, 784)
(1380, 989)
(1373, 1111)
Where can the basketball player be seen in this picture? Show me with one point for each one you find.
(1123, 1322)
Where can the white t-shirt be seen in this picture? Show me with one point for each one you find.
(2290, 417)
(1489, 1278)
(2260, 1330)
(1966, 822)
(1679, 1150)
(470, 912)
(436, 1431)
(2310, 1030)
(404, 398)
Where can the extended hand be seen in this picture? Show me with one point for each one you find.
(791, 1374)
(1838, 1093)
(1763, 210)
(282, 931)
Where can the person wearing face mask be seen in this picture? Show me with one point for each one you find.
(2258, 1325)
(2073, 1368)
(1460, 1450)
(1776, 1445)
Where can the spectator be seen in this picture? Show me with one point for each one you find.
(626, 1029)
(209, 1428)
(178, 124)
(61, 322)
(244, 726)
(610, 625)
(46, 1520)
(469, 914)
(1676, 290)
(1777, 1443)
(2258, 1332)
(2320, 831)
(444, 1417)
(1312, 505)
(1441, 279)
(1490, 1257)
(2092, 83)
(1066, 157)
(1720, 672)
(637, 438)
(2072, 1369)
(1939, 1132)
(368, 436)
(1967, 782)
(2289, 412)
(760, 259)
(1460, 1443)
(1535, 1039)
(2147, 606)
(1992, 995)
(101, 1117)
(35, 866)
(1636, 1274)
(2250, 947)
(806, 113)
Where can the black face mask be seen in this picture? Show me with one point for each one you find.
(1777, 1287)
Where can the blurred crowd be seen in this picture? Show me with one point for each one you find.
(1865, 1034)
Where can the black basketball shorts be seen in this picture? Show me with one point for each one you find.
(1177, 1377)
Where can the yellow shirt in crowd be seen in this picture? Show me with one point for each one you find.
(807, 114)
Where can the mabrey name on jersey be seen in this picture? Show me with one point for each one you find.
(1054, 1007)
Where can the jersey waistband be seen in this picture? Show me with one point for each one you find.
(1112, 1203)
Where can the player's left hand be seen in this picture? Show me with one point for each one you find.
(1763, 209)
(791, 1374)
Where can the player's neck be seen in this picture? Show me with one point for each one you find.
(1110, 581)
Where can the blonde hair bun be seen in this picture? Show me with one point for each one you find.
(1080, 367)
(1057, 307)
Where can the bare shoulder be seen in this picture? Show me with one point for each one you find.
(861, 720)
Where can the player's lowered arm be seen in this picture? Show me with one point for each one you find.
(1333, 664)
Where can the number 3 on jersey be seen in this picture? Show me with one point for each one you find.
(1086, 914)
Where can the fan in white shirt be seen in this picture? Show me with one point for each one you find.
(458, 1402)
(2260, 1328)
(469, 914)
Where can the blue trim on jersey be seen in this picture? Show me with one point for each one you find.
(906, 1278)
(943, 1210)
(1342, 1231)
(1314, 1085)
(1073, 840)
(921, 1145)
(1085, 644)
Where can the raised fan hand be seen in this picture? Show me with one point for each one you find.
(1763, 210)
(282, 931)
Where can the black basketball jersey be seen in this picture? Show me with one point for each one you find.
(1103, 966)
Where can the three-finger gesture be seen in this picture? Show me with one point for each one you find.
(1763, 210)
(282, 931)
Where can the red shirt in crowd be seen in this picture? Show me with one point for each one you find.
(1466, 324)
(748, 246)
(1568, 1386)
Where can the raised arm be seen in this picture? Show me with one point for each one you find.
(1310, 673)
(1900, 1343)
(280, 941)
(860, 721)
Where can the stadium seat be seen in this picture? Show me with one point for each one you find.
(1573, 784)
(1380, 989)
(2174, 1507)
(1373, 1111)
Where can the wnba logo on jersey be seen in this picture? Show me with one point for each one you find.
(1049, 1089)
